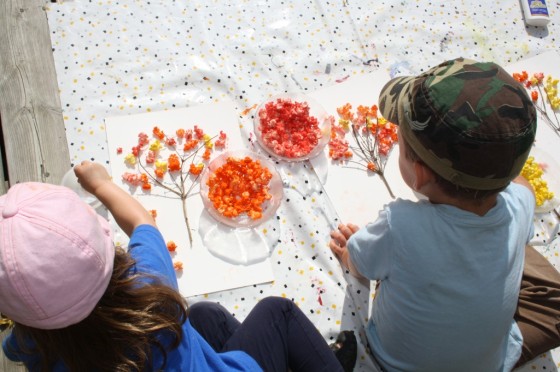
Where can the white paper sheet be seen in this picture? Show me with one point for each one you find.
(357, 194)
(202, 272)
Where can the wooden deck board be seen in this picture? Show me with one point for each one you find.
(34, 145)
(7, 365)
(33, 128)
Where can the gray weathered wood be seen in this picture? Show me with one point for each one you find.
(7, 365)
(32, 123)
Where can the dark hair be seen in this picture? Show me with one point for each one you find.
(447, 187)
(135, 310)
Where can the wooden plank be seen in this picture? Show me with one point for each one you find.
(7, 365)
(32, 124)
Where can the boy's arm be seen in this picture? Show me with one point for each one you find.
(126, 210)
(338, 246)
(523, 181)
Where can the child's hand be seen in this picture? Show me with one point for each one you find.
(126, 210)
(91, 175)
(340, 238)
(338, 246)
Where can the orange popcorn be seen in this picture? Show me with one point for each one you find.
(173, 163)
(240, 186)
(196, 169)
(345, 112)
(171, 246)
(159, 173)
(178, 265)
(207, 154)
(190, 144)
(158, 133)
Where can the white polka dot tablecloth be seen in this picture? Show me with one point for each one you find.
(122, 57)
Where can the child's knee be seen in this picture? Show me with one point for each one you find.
(203, 309)
(274, 304)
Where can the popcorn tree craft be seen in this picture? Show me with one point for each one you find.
(542, 90)
(171, 162)
(374, 138)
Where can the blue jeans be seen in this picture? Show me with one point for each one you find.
(275, 333)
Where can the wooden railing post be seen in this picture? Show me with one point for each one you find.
(32, 125)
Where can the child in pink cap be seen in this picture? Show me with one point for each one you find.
(79, 303)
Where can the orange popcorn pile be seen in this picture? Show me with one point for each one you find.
(240, 186)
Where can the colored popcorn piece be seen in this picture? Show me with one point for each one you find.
(177, 265)
(196, 169)
(171, 246)
(173, 163)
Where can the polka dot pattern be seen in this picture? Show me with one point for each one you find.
(121, 57)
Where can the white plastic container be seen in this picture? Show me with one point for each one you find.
(535, 12)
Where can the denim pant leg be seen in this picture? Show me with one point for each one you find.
(279, 336)
(213, 322)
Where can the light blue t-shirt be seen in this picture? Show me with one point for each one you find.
(449, 283)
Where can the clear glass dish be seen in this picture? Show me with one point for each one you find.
(288, 144)
(269, 207)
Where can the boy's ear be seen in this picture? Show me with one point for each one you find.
(423, 175)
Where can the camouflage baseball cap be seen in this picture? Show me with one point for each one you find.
(469, 121)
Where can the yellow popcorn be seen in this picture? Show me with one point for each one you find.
(533, 172)
(155, 145)
(130, 159)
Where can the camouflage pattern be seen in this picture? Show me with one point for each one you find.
(469, 121)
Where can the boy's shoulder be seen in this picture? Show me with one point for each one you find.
(421, 211)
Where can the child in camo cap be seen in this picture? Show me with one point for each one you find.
(450, 268)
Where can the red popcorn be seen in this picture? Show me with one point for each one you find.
(287, 128)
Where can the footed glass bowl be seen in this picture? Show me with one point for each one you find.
(235, 186)
(292, 127)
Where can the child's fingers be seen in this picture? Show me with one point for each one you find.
(353, 227)
(339, 238)
(335, 247)
(347, 230)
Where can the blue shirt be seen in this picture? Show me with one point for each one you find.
(149, 250)
(449, 283)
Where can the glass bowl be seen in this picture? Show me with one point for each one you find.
(269, 207)
(292, 127)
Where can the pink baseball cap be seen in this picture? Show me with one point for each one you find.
(56, 256)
